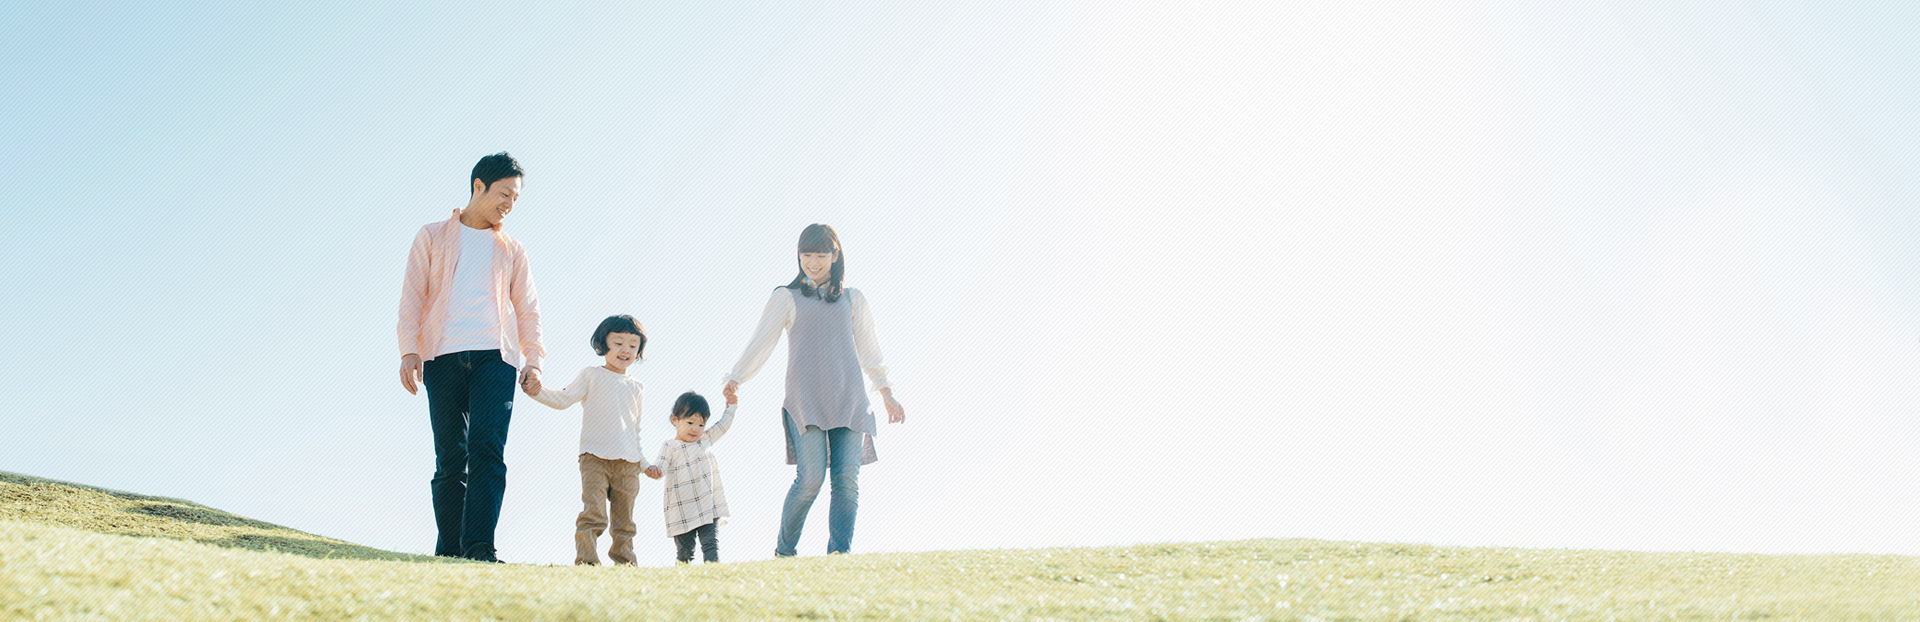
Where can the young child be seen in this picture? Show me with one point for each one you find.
(610, 460)
(696, 503)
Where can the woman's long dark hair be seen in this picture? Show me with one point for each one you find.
(818, 238)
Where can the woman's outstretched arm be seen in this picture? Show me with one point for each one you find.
(776, 318)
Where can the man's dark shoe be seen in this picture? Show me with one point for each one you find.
(482, 552)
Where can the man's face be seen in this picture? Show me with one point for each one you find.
(492, 204)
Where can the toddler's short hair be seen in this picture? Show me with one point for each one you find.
(617, 324)
(690, 404)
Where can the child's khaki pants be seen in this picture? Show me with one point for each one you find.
(605, 483)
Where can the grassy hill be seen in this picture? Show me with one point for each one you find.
(75, 552)
(30, 499)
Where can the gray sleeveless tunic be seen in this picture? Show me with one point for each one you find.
(825, 388)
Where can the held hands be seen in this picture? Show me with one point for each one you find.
(410, 373)
(530, 381)
(731, 392)
(653, 472)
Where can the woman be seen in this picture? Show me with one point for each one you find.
(830, 342)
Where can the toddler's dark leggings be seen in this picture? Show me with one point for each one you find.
(709, 544)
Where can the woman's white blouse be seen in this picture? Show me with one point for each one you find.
(778, 317)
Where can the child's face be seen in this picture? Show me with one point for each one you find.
(690, 428)
(622, 350)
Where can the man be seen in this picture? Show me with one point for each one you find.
(469, 312)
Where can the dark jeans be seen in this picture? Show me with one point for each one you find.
(470, 398)
(709, 543)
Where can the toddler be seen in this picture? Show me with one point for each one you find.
(696, 503)
(610, 460)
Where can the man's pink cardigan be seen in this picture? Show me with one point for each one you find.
(423, 298)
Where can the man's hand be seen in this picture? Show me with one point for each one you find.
(530, 380)
(653, 472)
(731, 392)
(410, 373)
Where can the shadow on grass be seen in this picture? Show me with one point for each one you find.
(199, 514)
(319, 549)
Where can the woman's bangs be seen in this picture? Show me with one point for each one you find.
(817, 239)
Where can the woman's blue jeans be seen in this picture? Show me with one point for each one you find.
(816, 450)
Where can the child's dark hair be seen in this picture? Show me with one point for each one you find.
(690, 404)
(617, 324)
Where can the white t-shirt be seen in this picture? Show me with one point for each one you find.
(473, 316)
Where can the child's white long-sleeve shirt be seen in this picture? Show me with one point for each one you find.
(610, 419)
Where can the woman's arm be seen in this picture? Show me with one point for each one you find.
(568, 396)
(866, 345)
(776, 318)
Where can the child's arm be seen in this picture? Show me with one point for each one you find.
(659, 462)
(719, 428)
(562, 398)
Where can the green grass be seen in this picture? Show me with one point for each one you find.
(30, 499)
(49, 571)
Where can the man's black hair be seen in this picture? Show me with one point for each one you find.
(495, 168)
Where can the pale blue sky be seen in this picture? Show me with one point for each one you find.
(1471, 272)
